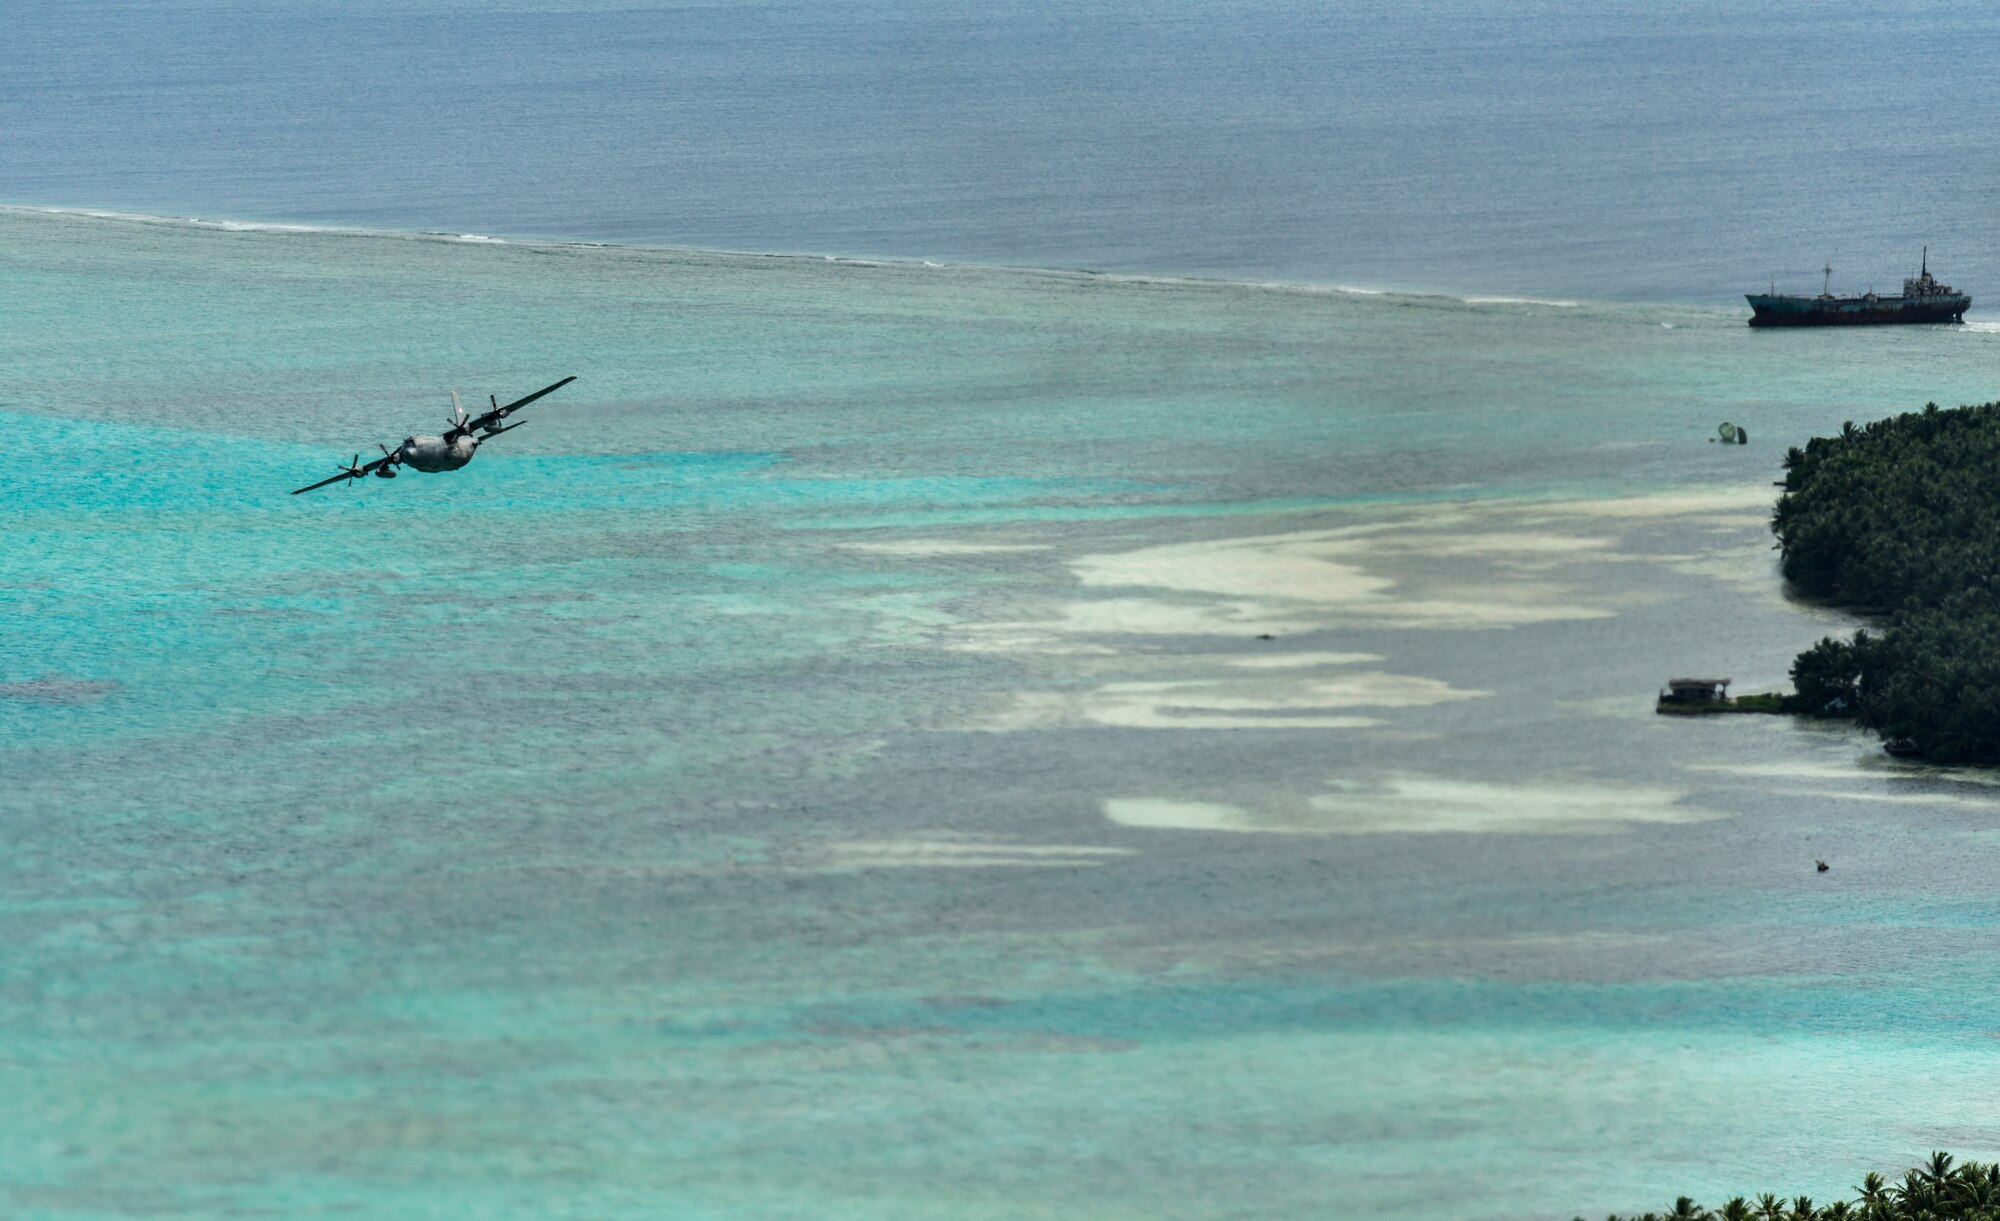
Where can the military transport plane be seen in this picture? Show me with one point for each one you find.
(446, 453)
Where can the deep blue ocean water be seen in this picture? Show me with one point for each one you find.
(906, 737)
(1683, 150)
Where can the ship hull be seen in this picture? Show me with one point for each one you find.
(1850, 311)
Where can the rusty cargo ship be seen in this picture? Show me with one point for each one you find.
(1924, 299)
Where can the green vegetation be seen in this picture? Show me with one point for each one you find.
(1934, 1191)
(1763, 701)
(1903, 517)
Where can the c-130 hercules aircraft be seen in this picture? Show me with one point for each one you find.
(446, 453)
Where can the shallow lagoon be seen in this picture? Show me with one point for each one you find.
(829, 763)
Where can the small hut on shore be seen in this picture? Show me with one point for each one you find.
(1695, 691)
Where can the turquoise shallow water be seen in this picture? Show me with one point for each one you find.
(827, 763)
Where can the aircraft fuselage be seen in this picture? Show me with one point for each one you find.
(431, 454)
(434, 454)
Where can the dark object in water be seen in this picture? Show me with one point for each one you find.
(1923, 300)
(1732, 435)
(1821, 865)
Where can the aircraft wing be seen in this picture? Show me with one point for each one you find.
(500, 413)
(346, 472)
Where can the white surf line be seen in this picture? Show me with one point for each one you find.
(845, 259)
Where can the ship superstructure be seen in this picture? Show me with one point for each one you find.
(1924, 299)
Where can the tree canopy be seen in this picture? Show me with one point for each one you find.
(1902, 517)
(1934, 1191)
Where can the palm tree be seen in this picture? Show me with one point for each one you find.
(1913, 1195)
(1975, 1192)
(1938, 1190)
(1872, 1188)
(1937, 1168)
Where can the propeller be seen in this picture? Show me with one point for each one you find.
(390, 461)
(458, 418)
(499, 413)
(352, 470)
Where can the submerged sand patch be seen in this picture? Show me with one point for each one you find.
(958, 852)
(1296, 661)
(1457, 567)
(1864, 779)
(1330, 577)
(1785, 770)
(1197, 634)
(1913, 799)
(1432, 804)
(1292, 701)
(1419, 804)
(1735, 499)
(939, 547)
(1161, 814)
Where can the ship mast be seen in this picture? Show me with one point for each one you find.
(1826, 284)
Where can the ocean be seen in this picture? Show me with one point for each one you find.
(995, 700)
(1685, 151)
